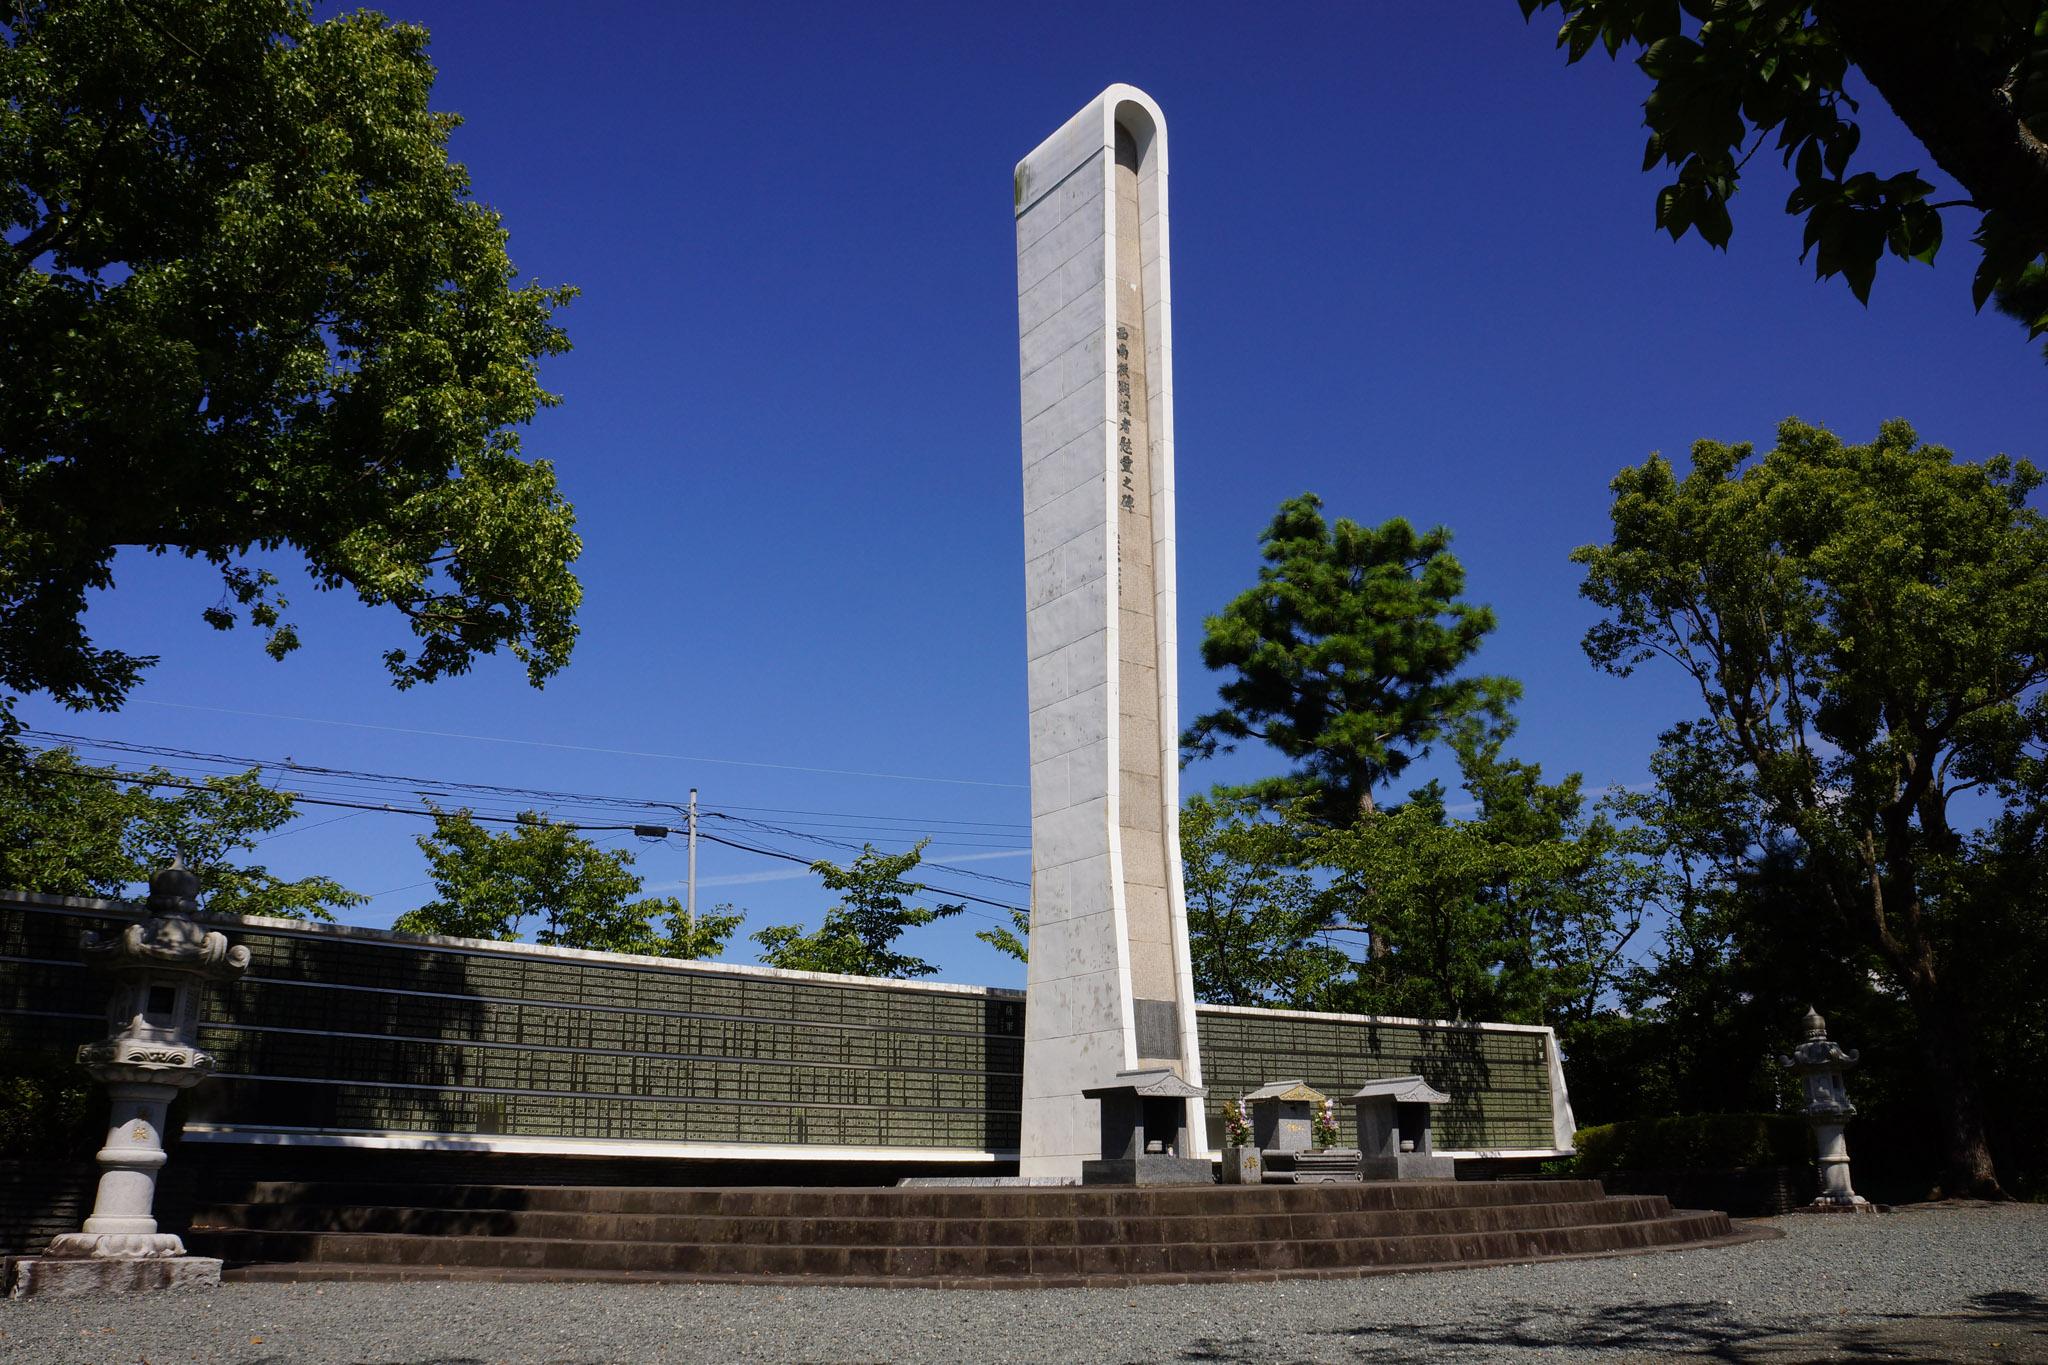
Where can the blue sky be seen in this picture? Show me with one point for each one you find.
(1414, 271)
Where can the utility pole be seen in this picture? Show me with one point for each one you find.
(691, 903)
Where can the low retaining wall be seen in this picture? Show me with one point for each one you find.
(1746, 1192)
(39, 1199)
(352, 1037)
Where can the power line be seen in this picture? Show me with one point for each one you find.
(908, 819)
(655, 831)
(417, 785)
(842, 843)
(787, 856)
(589, 748)
(301, 829)
(301, 798)
(321, 779)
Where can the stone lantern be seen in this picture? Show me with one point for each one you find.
(1145, 1138)
(159, 969)
(1819, 1062)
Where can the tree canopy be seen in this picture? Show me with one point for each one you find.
(71, 829)
(249, 309)
(1968, 78)
(494, 885)
(1345, 658)
(858, 936)
(1259, 925)
(1867, 629)
(1518, 912)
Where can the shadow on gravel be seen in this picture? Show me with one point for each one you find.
(2010, 1325)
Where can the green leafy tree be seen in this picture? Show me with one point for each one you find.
(1867, 627)
(1520, 913)
(494, 885)
(1014, 941)
(702, 937)
(248, 306)
(1968, 78)
(1700, 1020)
(859, 934)
(1257, 927)
(70, 829)
(1345, 658)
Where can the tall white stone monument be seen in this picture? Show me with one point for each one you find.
(1109, 986)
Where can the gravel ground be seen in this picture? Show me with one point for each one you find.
(1947, 1282)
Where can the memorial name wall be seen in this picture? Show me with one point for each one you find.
(342, 1033)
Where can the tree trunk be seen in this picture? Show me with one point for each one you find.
(1375, 948)
(1966, 1165)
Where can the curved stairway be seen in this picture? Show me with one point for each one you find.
(926, 1237)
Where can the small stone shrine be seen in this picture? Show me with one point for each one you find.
(1283, 1114)
(1394, 1135)
(1145, 1138)
(160, 968)
(1283, 1127)
(1819, 1062)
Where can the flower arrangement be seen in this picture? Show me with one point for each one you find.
(1237, 1129)
(1323, 1125)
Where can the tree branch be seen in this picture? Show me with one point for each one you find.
(1938, 87)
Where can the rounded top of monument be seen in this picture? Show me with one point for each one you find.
(1093, 129)
(1121, 93)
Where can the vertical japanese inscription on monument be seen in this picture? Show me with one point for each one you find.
(1141, 817)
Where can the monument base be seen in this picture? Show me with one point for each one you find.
(1407, 1166)
(1151, 1169)
(62, 1277)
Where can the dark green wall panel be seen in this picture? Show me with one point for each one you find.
(341, 1031)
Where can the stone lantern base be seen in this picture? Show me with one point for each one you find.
(1855, 1204)
(61, 1276)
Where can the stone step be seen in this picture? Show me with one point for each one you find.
(906, 1263)
(1047, 1230)
(872, 1202)
(968, 1236)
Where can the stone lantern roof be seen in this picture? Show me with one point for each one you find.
(1155, 1083)
(1401, 1090)
(1286, 1090)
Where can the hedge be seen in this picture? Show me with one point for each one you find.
(1693, 1142)
(49, 1108)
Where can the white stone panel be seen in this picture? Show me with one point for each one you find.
(1069, 619)
(1077, 415)
(1071, 515)
(1079, 232)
